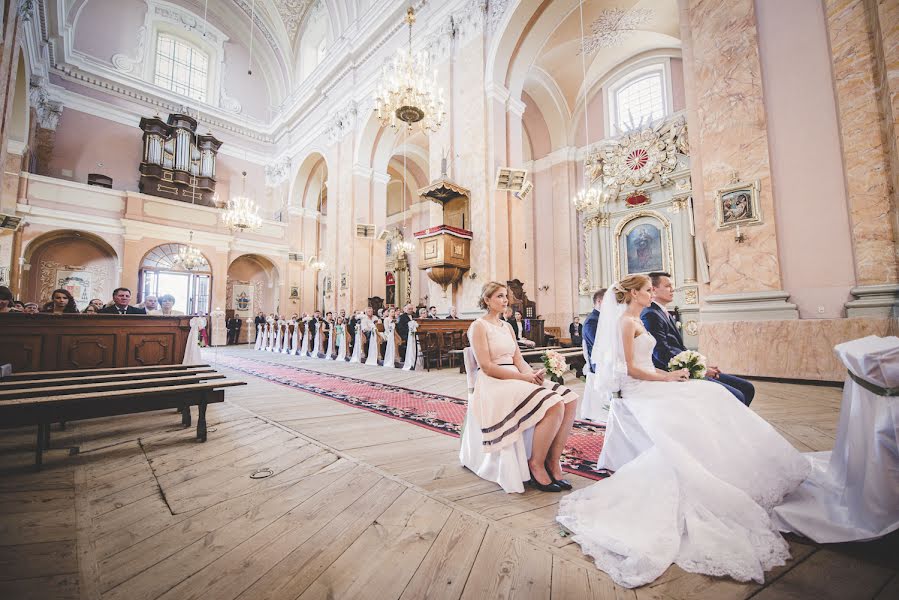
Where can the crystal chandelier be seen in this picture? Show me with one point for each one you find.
(242, 212)
(189, 257)
(404, 247)
(588, 199)
(408, 91)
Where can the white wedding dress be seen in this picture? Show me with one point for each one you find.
(697, 474)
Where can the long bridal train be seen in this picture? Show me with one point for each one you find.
(696, 475)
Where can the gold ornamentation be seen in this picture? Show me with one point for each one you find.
(638, 157)
(691, 295)
(679, 204)
(692, 328)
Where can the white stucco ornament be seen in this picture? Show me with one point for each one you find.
(639, 156)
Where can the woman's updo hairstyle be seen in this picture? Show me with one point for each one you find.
(490, 288)
(631, 283)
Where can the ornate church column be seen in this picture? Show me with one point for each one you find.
(865, 62)
(732, 146)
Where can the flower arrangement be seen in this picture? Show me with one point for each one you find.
(693, 361)
(555, 365)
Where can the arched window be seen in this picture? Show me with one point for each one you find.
(181, 67)
(638, 98)
(314, 39)
(161, 273)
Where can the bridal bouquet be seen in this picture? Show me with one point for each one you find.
(555, 365)
(693, 361)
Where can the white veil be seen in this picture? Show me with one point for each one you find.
(608, 352)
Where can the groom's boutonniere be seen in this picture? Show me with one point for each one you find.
(678, 324)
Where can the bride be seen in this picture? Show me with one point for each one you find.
(696, 472)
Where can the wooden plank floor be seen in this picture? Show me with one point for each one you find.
(356, 506)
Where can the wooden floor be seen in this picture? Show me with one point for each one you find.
(356, 506)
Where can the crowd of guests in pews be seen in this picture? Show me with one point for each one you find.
(374, 337)
(62, 302)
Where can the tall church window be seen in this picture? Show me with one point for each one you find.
(639, 99)
(181, 67)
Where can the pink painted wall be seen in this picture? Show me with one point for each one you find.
(597, 124)
(73, 252)
(95, 37)
(537, 131)
(813, 232)
(678, 95)
(248, 269)
(250, 90)
(83, 141)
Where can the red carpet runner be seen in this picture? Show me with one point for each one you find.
(433, 411)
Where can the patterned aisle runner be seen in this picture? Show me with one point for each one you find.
(433, 411)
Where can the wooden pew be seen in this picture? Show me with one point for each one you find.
(48, 342)
(46, 400)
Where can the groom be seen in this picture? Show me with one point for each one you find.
(669, 342)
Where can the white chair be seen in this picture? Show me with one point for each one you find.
(260, 337)
(507, 467)
(594, 405)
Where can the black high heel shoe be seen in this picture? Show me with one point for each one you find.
(549, 487)
(563, 484)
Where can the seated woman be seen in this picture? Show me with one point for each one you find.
(166, 304)
(510, 397)
(61, 302)
(696, 473)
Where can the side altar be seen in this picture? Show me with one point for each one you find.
(642, 219)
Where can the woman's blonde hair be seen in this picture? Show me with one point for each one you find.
(490, 288)
(631, 283)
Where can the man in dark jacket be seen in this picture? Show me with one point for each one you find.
(590, 325)
(121, 297)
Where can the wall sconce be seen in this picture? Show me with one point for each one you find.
(543, 288)
(472, 275)
(739, 236)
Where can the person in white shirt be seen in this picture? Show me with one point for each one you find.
(369, 328)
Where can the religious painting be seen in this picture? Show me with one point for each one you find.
(344, 281)
(78, 283)
(242, 299)
(294, 291)
(738, 204)
(643, 245)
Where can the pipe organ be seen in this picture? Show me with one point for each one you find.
(177, 163)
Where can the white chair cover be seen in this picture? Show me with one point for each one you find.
(852, 493)
(594, 404)
(332, 333)
(317, 345)
(507, 467)
(390, 351)
(285, 338)
(372, 358)
(192, 355)
(269, 340)
(341, 347)
(304, 348)
(295, 339)
(357, 346)
(260, 338)
(411, 348)
(276, 347)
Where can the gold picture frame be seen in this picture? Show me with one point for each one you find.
(738, 204)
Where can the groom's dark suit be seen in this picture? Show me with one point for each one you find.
(590, 337)
(670, 343)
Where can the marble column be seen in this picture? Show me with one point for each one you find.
(731, 130)
(866, 105)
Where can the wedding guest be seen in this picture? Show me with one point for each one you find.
(150, 304)
(422, 313)
(121, 297)
(90, 309)
(432, 312)
(368, 324)
(166, 306)
(670, 342)
(452, 313)
(575, 332)
(31, 308)
(96, 303)
(233, 325)
(6, 300)
(510, 397)
(61, 302)
(519, 327)
(590, 327)
(18, 305)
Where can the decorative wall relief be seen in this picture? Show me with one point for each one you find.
(738, 204)
(638, 157)
(89, 284)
